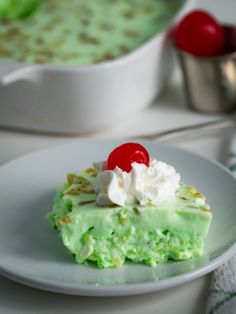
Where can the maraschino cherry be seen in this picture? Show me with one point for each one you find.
(200, 34)
(124, 155)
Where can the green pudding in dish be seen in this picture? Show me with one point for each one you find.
(150, 233)
(78, 32)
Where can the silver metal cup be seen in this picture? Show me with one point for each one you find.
(210, 83)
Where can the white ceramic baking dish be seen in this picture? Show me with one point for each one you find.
(86, 98)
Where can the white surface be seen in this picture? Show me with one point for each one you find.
(169, 111)
(31, 253)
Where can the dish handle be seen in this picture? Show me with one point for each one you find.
(12, 72)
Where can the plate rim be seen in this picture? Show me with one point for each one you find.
(121, 289)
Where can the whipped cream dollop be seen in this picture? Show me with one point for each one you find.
(144, 185)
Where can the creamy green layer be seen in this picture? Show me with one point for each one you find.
(174, 229)
(79, 32)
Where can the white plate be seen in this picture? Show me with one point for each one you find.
(32, 253)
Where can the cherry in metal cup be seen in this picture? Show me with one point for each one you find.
(210, 82)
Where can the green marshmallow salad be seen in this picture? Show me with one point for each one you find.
(130, 207)
(79, 32)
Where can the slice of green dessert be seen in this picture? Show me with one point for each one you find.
(151, 231)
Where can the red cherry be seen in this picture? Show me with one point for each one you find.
(124, 155)
(200, 34)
